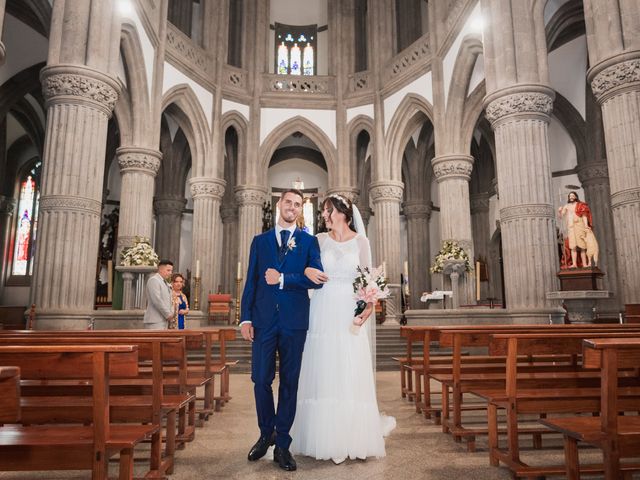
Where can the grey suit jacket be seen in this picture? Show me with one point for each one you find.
(159, 304)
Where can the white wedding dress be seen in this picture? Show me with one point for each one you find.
(337, 413)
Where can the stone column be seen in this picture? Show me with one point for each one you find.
(229, 214)
(595, 182)
(453, 173)
(206, 193)
(480, 225)
(519, 117)
(79, 101)
(249, 199)
(168, 227)
(138, 167)
(2, 14)
(417, 215)
(616, 85)
(7, 207)
(386, 197)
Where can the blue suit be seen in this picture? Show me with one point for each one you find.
(280, 318)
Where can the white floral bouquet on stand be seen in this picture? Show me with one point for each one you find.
(369, 286)
(140, 254)
(450, 251)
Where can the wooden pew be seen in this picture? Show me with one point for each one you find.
(617, 436)
(9, 395)
(544, 393)
(73, 447)
(48, 404)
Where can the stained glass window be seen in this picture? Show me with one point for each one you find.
(26, 223)
(295, 49)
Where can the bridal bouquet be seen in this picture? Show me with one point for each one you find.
(369, 286)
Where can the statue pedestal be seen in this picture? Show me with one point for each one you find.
(580, 303)
(134, 280)
(580, 279)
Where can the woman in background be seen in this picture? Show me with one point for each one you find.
(179, 299)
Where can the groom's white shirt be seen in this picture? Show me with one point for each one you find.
(277, 230)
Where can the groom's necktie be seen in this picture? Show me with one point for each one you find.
(284, 238)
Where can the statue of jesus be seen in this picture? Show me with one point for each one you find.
(580, 237)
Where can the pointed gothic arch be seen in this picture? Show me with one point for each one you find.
(237, 121)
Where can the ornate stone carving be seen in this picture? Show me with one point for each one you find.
(359, 81)
(386, 190)
(207, 187)
(416, 210)
(169, 205)
(594, 173)
(625, 197)
(353, 194)
(299, 84)
(139, 159)
(418, 53)
(479, 203)
(525, 102)
(185, 48)
(516, 212)
(70, 203)
(250, 195)
(452, 166)
(615, 76)
(82, 82)
(235, 77)
(7, 205)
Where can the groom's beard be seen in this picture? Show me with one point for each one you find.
(288, 217)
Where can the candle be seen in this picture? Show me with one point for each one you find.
(197, 268)
(406, 270)
(239, 276)
(477, 281)
(384, 269)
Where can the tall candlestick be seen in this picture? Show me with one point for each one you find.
(198, 268)
(478, 281)
(406, 270)
(239, 275)
(384, 269)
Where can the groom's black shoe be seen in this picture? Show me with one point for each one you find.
(260, 448)
(285, 459)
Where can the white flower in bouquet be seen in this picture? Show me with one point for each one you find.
(369, 286)
(140, 254)
(450, 251)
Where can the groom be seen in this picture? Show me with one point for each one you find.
(275, 318)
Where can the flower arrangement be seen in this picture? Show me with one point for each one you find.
(450, 251)
(140, 254)
(369, 286)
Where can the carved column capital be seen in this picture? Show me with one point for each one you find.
(351, 193)
(416, 210)
(202, 187)
(7, 205)
(76, 84)
(615, 75)
(479, 202)
(386, 190)
(518, 212)
(169, 205)
(137, 159)
(250, 195)
(593, 173)
(452, 166)
(519, 101)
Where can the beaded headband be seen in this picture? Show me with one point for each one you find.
(339, 198)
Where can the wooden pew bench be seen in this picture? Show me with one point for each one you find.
(130, 401)
(73, 447)
(543, 393)
(617, 436)
(9, 395)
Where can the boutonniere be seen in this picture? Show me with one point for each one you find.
(291, 244)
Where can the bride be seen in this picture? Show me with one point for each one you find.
(337, 411)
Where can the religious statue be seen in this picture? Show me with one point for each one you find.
(578, 234)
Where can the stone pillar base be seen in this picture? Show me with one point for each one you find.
(62, 320)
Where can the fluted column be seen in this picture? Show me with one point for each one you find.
(519, 117)
(2, 14)
(207, 193)
(417, 215)
(229, 214)
(79, 102)
(249, 199)
(168, 227)
(453, 173)
(386, 197)
(138, 167)
(7, 207)
(480, 226)
(616, 85)
(351, 193)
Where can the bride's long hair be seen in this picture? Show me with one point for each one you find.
(342, 205)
